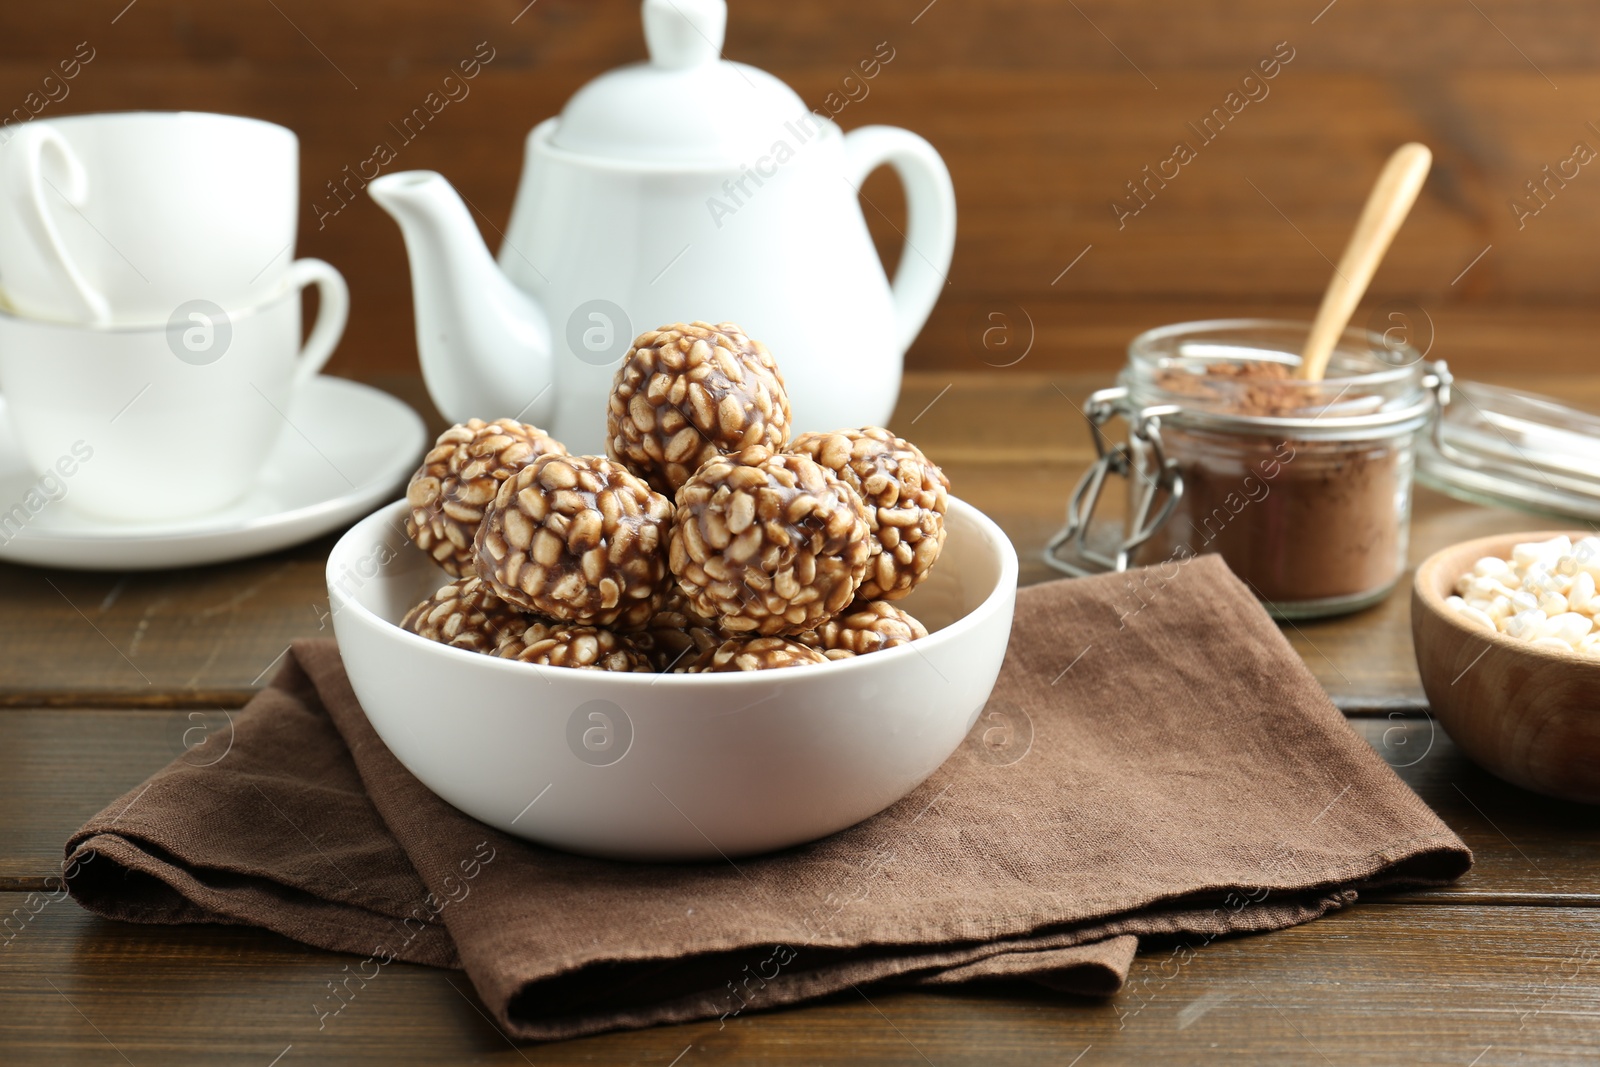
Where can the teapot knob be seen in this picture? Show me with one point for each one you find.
(684, 33)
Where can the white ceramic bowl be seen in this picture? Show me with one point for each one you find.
(668, 766)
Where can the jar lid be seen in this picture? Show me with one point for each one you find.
(1514, 449)
(687, 105)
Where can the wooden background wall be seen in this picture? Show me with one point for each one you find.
(1043, 109)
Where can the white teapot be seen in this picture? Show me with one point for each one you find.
(684, 188)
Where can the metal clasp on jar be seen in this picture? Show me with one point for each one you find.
(1437, 380)
(1142, 455)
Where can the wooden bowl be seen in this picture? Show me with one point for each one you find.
(1529, 715)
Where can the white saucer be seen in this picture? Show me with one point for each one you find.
(347, 449)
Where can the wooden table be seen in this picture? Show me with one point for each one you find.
(101, 675)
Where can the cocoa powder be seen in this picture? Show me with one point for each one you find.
(1296, 520)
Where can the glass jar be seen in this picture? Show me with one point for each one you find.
(1304, 488)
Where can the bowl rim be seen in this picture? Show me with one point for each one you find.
(392, 514)
(1423, 592)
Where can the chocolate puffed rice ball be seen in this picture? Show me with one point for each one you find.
(685, 393)
(458, 479)
(675, 635)
(906, 496)
(579, 539)
(528, 630)
(754, 654)
(768, 543)
(584, 647)
(865, 627)
(465, 614)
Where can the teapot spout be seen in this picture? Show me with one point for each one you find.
(484, 344)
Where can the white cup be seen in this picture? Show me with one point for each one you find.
(116, 219)
(164, 422)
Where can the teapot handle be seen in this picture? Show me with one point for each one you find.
(931, 217)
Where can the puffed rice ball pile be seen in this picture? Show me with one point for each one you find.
(1545, 594)
(754, 654)
(705, 542)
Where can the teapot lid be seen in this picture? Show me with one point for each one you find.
(687, 104)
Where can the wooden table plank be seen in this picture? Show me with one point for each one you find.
(1378, 984)
(197, 637)
(60, 766)
(1013, 444)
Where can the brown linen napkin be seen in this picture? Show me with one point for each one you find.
(1156, 764)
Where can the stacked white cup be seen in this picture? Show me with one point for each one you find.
(150, 332)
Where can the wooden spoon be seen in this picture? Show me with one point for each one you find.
(1387, 207)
